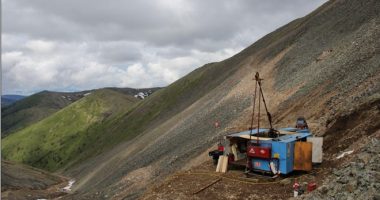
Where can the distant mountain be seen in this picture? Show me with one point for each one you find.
(7, 100)
(38, 106)
(324, 66)
(34, 108)
(71, 134)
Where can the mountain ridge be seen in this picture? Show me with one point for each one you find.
(67, 132)
(8, 99)
(307, 66)
(287, 57)
(42, 104)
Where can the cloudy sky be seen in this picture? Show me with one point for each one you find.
(71, 45)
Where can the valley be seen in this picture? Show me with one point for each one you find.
(324, 66)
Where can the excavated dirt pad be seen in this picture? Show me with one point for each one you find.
(349, 130)
(233, 185)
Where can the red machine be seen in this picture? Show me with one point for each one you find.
(311, 187)
(216, 153)
(220, 147)
(259, 152)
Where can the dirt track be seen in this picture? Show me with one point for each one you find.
(234, 185)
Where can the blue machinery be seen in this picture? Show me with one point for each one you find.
(274, 151)
(272, 155)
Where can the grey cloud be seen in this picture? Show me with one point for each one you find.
(118, 51)
(156, 22)
(100, 43)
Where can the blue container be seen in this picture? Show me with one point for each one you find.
(282, 157)
(282, 149)
(263, 164)
(284, 152)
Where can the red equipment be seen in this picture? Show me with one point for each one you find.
(311, 187)
(259, 152)
(220, 147)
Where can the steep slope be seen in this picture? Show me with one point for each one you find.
(41, 105)
(34, 108)
(321, 66)
(24, 182)
(70, 134)
(7, 100)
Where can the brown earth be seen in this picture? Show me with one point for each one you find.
(352, 131)
(338, 92)
(300, 79)
(20, 182)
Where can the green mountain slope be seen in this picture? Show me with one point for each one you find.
(166, 131)
(34, 108)
(303, 76)
(69, 134)
(68, 141)
(167, 102)
(41, 105)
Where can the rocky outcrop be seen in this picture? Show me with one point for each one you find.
(357, 179)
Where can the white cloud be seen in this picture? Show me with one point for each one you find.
(11, 58)
(40, 46)
(77, 45)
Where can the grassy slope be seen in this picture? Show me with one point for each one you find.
(181, 94)
(41, 105)
(159, 107)
(165, 103)
(69, 134)
(33, 109)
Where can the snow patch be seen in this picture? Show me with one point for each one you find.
(143, 95)
(68, 187)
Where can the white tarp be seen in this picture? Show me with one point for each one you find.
(317, 150)
(344, 153)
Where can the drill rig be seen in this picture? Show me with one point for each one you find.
(269, 150)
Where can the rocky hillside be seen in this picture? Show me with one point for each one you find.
(356, 177)
(323, 66)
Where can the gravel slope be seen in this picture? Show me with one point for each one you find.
(322, 66)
